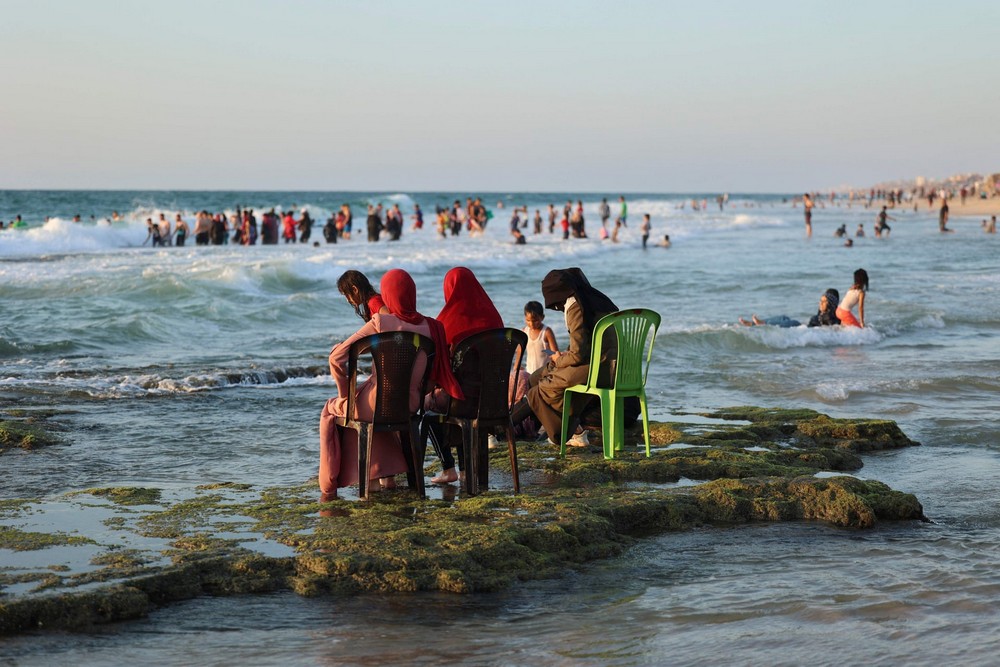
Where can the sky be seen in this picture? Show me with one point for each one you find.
(511, 95)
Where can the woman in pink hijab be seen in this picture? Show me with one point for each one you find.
(338, 460)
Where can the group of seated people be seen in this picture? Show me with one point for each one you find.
(468, 310)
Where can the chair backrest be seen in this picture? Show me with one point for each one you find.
(491, 356)
(632, 328)
(395, 357)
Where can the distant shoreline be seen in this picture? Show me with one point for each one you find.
(973, 207)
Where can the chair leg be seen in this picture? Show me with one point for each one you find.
(416, 469)
(566, 414)
(512, 450)
(364, 468)
(469, 479)
(424, 433)
(619, 415)
(608, 424)
(407, 444)
(645, 421)
(482, 452)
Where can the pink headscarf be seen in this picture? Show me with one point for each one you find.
(467, 307)
(400, 296)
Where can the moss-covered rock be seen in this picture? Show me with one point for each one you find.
(24, 434)
(126, 495)
(589, 508)
(20, 540)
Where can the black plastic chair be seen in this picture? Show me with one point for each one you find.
(394, 356)
(483, 363)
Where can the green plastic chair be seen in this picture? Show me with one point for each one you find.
(632, 327)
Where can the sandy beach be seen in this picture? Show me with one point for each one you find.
(973, 207)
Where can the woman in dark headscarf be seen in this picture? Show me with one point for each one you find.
(827, 315)
(569, 291)
(338, 464)
(467, 310)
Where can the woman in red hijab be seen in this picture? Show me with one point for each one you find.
(467, 307)
(338, 461)
(467, 310)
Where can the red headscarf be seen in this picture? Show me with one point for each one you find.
(400, 296)
(467, 307)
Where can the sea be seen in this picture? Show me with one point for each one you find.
(175, 367)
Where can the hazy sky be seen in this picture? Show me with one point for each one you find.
(495, 95)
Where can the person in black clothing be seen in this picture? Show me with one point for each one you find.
(217, 235)
(305, 227)
(375, 225)
(330, 229)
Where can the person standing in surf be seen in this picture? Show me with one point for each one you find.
(807, 204)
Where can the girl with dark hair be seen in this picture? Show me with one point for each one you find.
(854, 297)
(359, 292)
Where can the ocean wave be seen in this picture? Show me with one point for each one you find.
(14, 348)
(961, 387)
(156, 384)
(762, 338)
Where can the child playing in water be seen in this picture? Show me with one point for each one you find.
(541, 340)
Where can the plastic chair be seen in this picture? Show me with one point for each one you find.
(632, 329)
(394, 358)
(483, 363)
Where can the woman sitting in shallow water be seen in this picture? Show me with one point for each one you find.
(826, 317)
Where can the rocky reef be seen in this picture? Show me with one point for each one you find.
(733, 466)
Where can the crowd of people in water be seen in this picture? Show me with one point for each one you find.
(244, 227)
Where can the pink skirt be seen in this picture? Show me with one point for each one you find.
(338, 452)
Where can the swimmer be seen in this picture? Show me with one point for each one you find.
(825, 317)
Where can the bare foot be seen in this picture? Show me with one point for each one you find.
(446, 477)
(387, 483)
(757, 320)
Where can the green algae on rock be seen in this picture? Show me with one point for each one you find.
(19, 540)
(25, 434)
(811, 427)
(125, 495)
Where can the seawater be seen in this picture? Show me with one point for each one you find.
(174, 367)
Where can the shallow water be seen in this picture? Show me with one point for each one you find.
(178, 367)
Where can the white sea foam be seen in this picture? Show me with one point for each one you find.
(840, 390)
(152, 384)
(803, 336)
